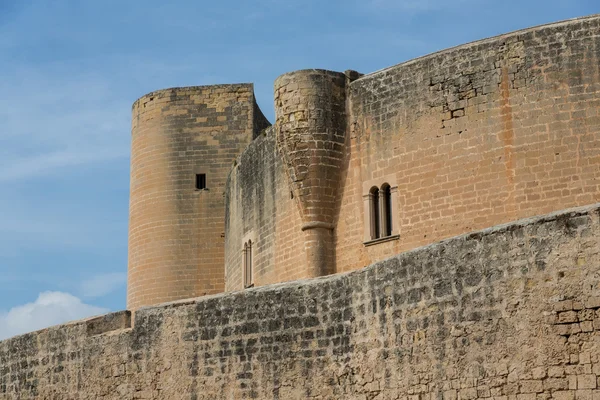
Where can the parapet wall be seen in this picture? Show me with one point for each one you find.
(511, 312)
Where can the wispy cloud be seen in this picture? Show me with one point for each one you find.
(27, 233)
(53, 119)
(46, 164)
(101, 285)
(50, 308)
(39, 217)
(413, 6)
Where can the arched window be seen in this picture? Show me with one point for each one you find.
(374, 207)
(247, 256)
(385, 207)
(380, 208)
(380, 205)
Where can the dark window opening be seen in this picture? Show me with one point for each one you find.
(374, 206)
(200, 181)
(380, 212)
(386, 211)
(248, 264)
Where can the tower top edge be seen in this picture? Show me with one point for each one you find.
(313, 71)
(178, 90)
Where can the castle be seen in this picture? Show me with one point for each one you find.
(402, 171)
(356, 168)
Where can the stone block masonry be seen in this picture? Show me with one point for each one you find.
(357, 168)
(176, 230)
(310, 107)
(467, 138)
(258, 208)
(477, 135)
(508, 313)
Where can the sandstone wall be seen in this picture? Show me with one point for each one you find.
(310, 110)
(474, 136)
(176, 232)
(509, 313)
(470, 137)
(260, 207)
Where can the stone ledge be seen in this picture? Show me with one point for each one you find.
(381, 240)
(108, 323)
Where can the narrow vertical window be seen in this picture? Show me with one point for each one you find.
(374, 208)
(380, 205)
(385, 210)
(200, 181)
(248, 264)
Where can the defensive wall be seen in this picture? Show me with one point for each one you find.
(508, 313)
(176, 230)
(467, 138)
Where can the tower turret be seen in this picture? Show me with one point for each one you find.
(310, 108)
(183, 143)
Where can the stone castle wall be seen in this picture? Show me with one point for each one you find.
(470, 137)
(259, 211)
(310, 109)
(176, 232)
(473, 136)
(509, 313)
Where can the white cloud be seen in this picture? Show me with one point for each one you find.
(50, 308)
(101, 285)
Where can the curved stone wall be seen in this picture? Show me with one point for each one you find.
(258, 209)
(511, 312)
(474, 136)
(467, 138)
(310, 108)
(175, 230)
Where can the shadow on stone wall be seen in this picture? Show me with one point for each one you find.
(508, 311)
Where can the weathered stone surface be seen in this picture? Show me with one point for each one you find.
(176, 232)
(262, 211)
(310, 108)
(474, 136)
(378, 333)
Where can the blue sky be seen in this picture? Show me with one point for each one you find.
(70, 70)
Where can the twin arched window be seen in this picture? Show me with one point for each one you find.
(247, 258)
(380, 208)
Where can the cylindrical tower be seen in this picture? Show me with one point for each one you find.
(183, 143)
(311, 126)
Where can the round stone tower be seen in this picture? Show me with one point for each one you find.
(184, 141)
(310, 108)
